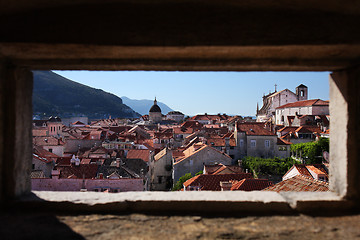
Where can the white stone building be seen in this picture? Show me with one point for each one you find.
(175, 115)
(286, 114)
(276, 99)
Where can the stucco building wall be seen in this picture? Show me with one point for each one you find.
(195, 163)
(260, 150)
(73, 145)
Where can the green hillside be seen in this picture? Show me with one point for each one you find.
(56, 95)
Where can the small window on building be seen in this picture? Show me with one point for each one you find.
(253, 143)
(191, 162)
(241, 142)
(33, 166)
(159, 179)
(267, 143)
(282, 148)
(50, 150)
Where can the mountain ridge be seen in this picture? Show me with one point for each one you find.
(143, 106)
(54, 94)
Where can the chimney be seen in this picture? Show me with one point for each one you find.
(225, 186)
(101, 176)
(77, 161)
(227, 142)
(55, 174)
(118, 162)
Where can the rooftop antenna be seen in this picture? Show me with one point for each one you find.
(275, 86)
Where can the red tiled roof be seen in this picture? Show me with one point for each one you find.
(183, 130)
(138, 154)
(197, 148)
(316, 170)
(177, 154)
(303, 170)
(191, 124)
(220, 142)
(288, 129)
(306, 103)
(47, 141)
(300, 183)
(217, 117)
(149, 144)
(254, 129)
(87, 171)
(63, 161)
(281, 141)
(220, 168)
(251, 184)
(145, 117)
(308, 129)
(85, 161)
(45, 160)
(78, 123)
(212, 182)
(43, 153)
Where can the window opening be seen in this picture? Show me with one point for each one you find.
(152, 150)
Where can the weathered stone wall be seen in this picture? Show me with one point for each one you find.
(260, 150)
(74, 185)
(72, 145)
(195, 162)
(16, 124)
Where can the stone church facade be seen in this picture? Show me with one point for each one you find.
(155, 115)
(276, 99)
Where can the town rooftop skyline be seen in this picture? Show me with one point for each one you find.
(233, 93)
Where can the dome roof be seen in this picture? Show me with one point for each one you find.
(155, 108)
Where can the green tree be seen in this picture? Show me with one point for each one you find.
(274, 166)
(179, 184)
(311, 152)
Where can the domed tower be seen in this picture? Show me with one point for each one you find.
(155, 114)
(302, 92)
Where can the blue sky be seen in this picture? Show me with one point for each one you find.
(202, 92)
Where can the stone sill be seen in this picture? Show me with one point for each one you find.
(256, 202)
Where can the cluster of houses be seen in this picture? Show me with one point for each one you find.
(152, 153)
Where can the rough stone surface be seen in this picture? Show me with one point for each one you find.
(138, 226)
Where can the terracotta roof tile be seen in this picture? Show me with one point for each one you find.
(87, 171)
(138, 154)
(220, 142)
(281, 141)
(299, 183)
(47, 141)
(306, 103)
(303, 169)
(221, 168)
(254, 129)
(251, 184)
(207, 182)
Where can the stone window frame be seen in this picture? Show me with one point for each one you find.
(252, 143)
(344, 168)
